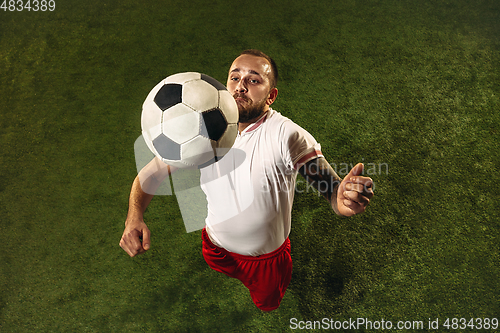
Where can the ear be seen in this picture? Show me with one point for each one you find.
(272, 96)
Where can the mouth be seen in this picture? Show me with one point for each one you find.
(239, 98)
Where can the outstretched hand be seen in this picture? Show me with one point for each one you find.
(354, 192)
(134, 232)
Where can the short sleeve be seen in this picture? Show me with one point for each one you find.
(297, 146)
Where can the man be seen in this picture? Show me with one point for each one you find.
(251, 244)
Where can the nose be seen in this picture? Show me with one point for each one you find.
(240, 87)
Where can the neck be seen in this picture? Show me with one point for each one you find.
(243, 126)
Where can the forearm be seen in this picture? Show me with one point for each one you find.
(332, 195)
(333, 203)
(136, 238)
(144, 187)
(320, 175)
(138, 201)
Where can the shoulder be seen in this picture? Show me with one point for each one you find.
(289, 131)
(274, 118)
(283, 126)
(296, 145)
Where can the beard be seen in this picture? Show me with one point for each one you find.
(248, 110)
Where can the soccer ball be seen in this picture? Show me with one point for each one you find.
(189, 120)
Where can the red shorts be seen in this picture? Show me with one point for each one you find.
(266, 276)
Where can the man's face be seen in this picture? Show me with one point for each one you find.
(249, 82)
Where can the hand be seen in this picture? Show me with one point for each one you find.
(135, 230)
(354, 192)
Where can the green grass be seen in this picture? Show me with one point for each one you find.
(413, 85)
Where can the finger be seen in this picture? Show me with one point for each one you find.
(354, 175)
(146, 239)
(349, 203)
(356, 171)
(368, 192)
(367, 181)
(355, 187)
(356, 197)
(360, 188)
(127, 246)
(132, 244)
(355, 207)
(362, 185)
(134, 241)
(351, 176)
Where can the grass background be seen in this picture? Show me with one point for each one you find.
(411, 84)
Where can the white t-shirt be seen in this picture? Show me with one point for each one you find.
(250, 190)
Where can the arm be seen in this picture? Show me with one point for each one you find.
(347, 197)
(143, 188)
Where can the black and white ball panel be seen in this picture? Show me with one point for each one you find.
(226, 104)
(189, 119)
(214, 124)
(200, 95)
(217, 85)
(181, 123)
(167, 148)
(168, 96)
